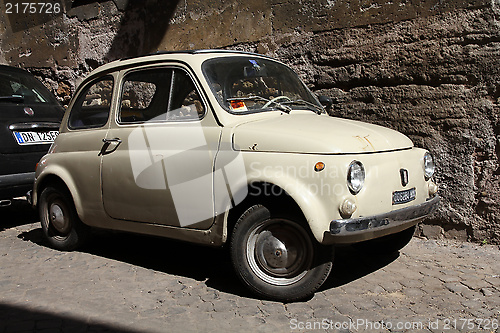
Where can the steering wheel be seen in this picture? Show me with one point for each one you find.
(277, 99)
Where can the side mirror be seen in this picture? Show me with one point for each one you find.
(326, 102)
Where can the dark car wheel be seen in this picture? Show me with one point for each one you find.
(387, 244)
(277, 257)
(61, 226)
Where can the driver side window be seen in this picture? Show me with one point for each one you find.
(159, 94)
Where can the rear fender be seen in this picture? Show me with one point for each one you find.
(52, 174)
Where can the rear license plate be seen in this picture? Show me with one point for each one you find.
(401, 197)
(33, 138)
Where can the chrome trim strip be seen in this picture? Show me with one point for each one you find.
(38, 125)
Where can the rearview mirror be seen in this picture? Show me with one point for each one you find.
(255, 70)
(326, 102)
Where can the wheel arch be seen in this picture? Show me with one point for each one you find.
(60, 178)
(294, 200)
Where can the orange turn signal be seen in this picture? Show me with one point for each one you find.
(319, 166)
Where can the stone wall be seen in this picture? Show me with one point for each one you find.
(429, 69)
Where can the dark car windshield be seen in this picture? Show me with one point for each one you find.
(21, 87)
(253, 84)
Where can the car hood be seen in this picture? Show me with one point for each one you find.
(315, 134)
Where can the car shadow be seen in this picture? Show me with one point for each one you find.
(210, 265)
(18, 213)
(15, 318)
(351, 264)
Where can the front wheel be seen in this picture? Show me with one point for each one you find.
(61, 226)
(277, 257)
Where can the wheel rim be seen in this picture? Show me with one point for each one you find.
(279, 251)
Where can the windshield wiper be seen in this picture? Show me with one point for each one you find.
(279, 106)
(13, 98)
(317, 109)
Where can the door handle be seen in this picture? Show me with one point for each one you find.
(107, 143)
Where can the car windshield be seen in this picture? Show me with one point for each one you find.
(18, 87)
(252, 84)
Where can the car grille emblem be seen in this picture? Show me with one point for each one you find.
(29, 111)
(404, 177)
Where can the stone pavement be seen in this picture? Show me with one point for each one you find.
(129, 283)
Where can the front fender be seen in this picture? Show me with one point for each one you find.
(301, 189)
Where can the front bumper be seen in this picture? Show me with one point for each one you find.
(369, 227)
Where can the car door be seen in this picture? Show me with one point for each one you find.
(80, 140)
(158, 155)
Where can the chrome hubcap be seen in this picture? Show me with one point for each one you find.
(273, 252)
(57, 218)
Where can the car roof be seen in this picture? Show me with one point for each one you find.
(165, 56)
(7, 68)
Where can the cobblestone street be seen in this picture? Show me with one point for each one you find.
(130, 283)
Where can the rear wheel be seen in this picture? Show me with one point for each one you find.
(61, 226)
(387, 244)
(277, 257)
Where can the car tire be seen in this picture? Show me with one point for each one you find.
(388, 244)
(277, 257)
(61, 226)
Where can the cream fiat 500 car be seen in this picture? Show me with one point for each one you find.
(216, 147)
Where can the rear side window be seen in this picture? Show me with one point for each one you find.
(159, 94)
(91, 109)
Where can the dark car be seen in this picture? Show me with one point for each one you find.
(30, 116)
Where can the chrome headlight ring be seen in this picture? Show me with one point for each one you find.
(355, 177)
(429, 166)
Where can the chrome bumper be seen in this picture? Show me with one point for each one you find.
(369, 227)
(29, 197)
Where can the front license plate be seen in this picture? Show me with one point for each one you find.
(401, 197)
(33, 138)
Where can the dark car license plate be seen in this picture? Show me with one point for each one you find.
(400, 197)
(31, 138)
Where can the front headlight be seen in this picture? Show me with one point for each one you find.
(429, 166)
(355, 177)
